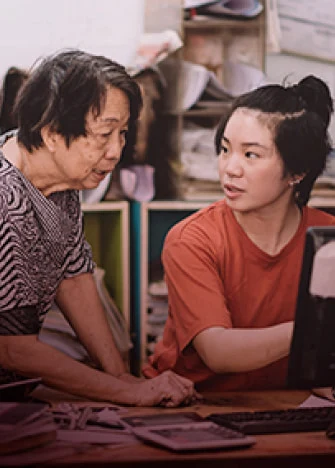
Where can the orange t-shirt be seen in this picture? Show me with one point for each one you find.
(216, 276)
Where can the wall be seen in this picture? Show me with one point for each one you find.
(31, 28)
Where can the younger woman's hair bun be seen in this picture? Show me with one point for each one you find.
(316, 97)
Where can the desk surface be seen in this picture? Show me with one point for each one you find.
(280, 450)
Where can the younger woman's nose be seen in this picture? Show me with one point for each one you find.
(233, 166)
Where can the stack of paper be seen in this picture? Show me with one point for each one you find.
(153, 48)
(200, 87)
(307, 28)
(57, 332)
(199, 179)
(24, 426)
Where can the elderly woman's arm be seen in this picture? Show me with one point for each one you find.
(28, 356)
(79, 301)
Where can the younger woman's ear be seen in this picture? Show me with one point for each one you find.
(49, 138)
(296, 179)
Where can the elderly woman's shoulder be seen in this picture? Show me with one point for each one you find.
(67, 200)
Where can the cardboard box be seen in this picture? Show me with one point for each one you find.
(308, 28)
(314, 11)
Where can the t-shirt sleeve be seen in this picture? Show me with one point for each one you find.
(81, 260)
(195, 288)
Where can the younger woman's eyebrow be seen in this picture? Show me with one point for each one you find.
(247, 143)
(254, 143)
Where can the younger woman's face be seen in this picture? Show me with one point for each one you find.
(250, 167)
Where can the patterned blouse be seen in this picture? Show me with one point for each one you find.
(41, 243)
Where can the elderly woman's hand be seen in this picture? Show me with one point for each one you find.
(168, 389)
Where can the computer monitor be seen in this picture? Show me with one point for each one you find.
(312, 354)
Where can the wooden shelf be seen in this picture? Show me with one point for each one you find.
(118, 205)
(207, 23)
(322, 202)
(208, 112)
(205, 112)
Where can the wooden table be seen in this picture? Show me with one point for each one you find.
(280, 450)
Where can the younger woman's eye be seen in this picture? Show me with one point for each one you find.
(224, 149)
(251, 155)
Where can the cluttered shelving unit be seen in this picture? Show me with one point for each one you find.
(221, 57)
(233, 51)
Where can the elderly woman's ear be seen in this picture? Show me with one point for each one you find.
(49, 138)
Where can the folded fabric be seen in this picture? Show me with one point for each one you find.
(198, 3)
(57, 332)
(137, 182)
(235, 8)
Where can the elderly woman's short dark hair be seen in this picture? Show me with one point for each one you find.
(63, 89)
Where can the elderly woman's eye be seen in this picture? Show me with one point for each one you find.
(106, 135)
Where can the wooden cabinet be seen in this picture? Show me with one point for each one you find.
(106, 226)
(236, 40)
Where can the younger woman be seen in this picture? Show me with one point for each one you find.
(233, 268)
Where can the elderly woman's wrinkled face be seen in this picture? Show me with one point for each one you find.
(90, 158)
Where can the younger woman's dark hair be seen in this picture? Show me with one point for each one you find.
(63, 89)
(298, 116)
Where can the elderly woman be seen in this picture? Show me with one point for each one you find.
(74, 114)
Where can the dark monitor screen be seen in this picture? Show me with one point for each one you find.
(312, 354)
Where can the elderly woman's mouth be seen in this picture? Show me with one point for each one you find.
(99, 172)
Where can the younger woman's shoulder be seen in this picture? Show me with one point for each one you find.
(318, 217)
(205, 220)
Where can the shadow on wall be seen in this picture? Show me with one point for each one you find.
(12, 82)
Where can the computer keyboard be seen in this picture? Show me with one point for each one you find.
(272, 422)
